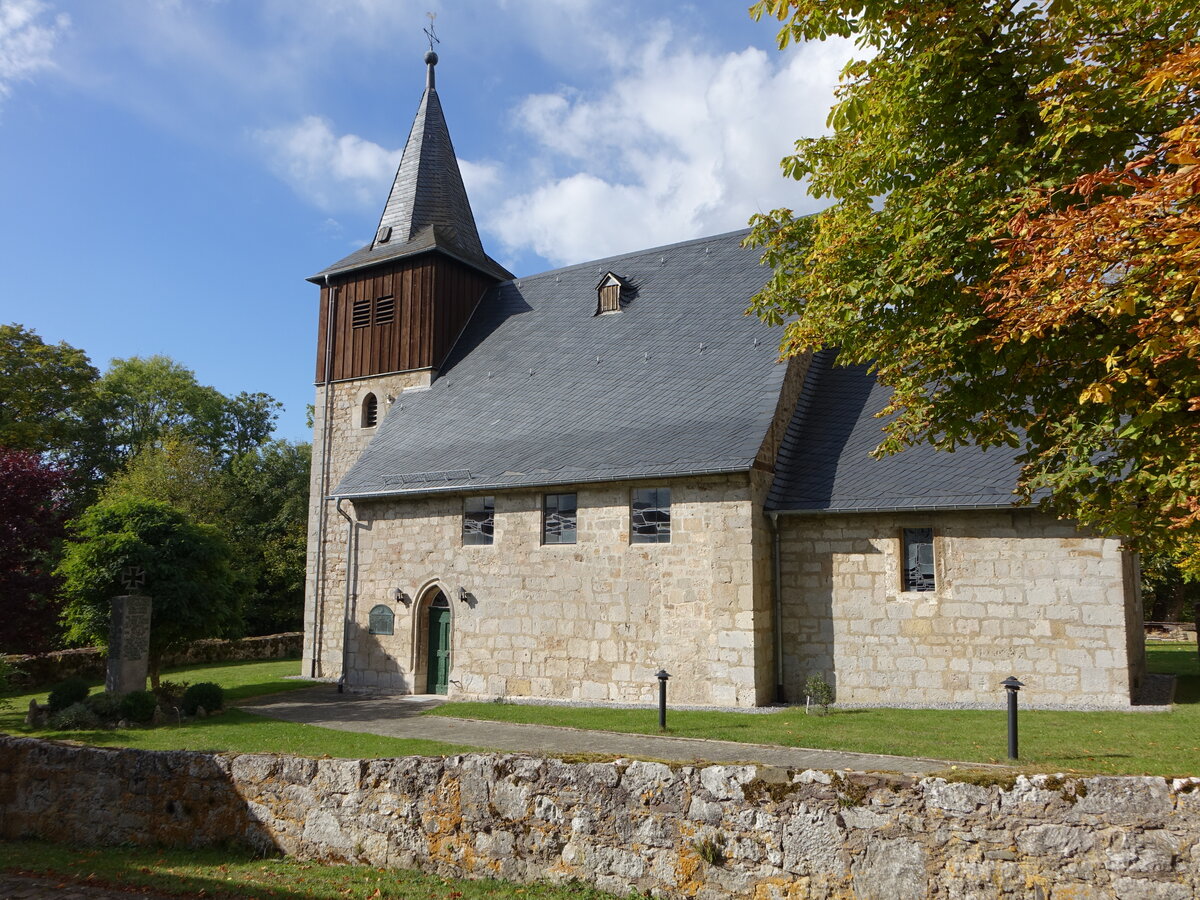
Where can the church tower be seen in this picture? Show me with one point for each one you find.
(389, 315)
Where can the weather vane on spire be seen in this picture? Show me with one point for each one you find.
(431, 32)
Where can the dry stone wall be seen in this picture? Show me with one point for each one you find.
(89, 662)
(713, 832)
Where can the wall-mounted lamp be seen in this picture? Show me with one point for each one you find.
(463, 595)
(400, 597)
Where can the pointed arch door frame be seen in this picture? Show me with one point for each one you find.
(432, 638)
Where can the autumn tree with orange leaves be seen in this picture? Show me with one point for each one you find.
(1013, 241)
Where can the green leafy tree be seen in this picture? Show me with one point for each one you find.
(270, 519)
(46, 401)
(146, 400)
(180, 473)
(259, 501)
(957, 139)
(187, 569)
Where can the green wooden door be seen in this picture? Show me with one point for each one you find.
(439, 649)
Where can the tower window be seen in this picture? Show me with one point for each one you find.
(360, 316)
(370, 411)
(385, 310)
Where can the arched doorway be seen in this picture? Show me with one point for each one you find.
(437, 644)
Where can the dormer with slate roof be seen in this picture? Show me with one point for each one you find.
(399, 303)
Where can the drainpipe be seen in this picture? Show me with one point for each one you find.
(323, 486)
(351, 598)
(777, 605)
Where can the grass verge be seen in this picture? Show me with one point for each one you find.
(234, 873)
(1135, 743)
(234, 730)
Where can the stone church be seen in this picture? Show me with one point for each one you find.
(554, 486)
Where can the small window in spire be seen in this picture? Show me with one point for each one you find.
(609, 289)
(370, 411)
(384, 234)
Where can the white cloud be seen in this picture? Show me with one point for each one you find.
(28, 34)
(682, 143)
(334, 172)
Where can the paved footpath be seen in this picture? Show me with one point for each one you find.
(400, 716)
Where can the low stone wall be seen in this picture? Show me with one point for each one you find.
(715, 832)
(90, 662)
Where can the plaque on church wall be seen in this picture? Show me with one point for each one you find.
(128, 644)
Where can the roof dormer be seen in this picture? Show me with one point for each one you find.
(610, 289)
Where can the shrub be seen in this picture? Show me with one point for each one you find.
(105, 705)
(207, 694)
(818, 691)
(138, 706)
(76, 717)
(169, 693)
(67, 693)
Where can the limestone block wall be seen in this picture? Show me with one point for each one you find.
(631, 827)
(334, 450)
(592, 620)
(1018, 593)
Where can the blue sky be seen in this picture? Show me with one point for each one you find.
(172, 170)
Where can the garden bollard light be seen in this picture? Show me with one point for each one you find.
(662, 676)
(1012, 686)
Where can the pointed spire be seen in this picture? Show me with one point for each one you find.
(427, 208)
(428, 191)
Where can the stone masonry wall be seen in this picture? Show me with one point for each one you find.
(592, 620)
(678, 832)
(1018, 593)
(333, 454)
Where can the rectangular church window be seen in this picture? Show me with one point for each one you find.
(479, 520)
(650, 516)
(918, 568)
(559, 518)
(385, 310)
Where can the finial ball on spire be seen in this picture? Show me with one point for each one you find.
(431, 58)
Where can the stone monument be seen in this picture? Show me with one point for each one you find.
(129, 638)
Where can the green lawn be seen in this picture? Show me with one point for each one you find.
(220, 873)
(1085, 742)
(233, 730)
(1097, 742)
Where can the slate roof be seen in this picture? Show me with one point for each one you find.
(539, 390)
(824, 462)
(427, 208)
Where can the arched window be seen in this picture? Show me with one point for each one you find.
(382, 620)
(370, 411)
